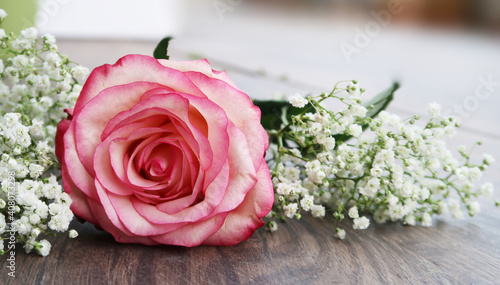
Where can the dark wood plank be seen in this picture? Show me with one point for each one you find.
(465, 252)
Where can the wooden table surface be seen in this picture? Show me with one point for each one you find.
(300, 252)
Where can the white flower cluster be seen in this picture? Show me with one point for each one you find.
(38, 83)
(396, 171)
(30, 204)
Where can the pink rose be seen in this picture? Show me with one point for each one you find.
(166, 152)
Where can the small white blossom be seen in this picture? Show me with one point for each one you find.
(340, 233)
(272, 226)
(307, 202)
(474, 174)
(410, 220)
(315, 129)
(59, 222)
(371, 187)
(488, 159)
(49, 39)
(3, 14)
(29, 34)
(355, 130)
(353, 212)
(455, 210)
(426, 220)
(291, 210)
(35, 232)
(462, 173)
(474, 208)
(358, 110)
(36, 170)
(297, 101)
(43, 248)
(353, 90)
(73, 234)
(80, 72)
(434, 110)
(487, 189)
(361, 223)
(318, 211)
(34, 219)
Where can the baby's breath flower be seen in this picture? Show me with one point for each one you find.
(29, 34)
(307, 202)
(353, 212)
(371, 187)
(488, 159)
(297, 101)
(291, 210)
(49, 39)
(398, 170)
(410, 220)
(43, 247)
(318, 211)
(38, 84)
(426, 220)
(487, 189)
(354, 130)
(361, 223)
(80, 73)
(73, 234)
(353, 89)
(272, 226)
(3, 14)
(434, 110)
(340, 233)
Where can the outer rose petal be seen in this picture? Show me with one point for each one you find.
(200, 65)
(75, 169)
(133, 68)
(239, 109)
(62, 127)
(80, 206)
(244, 220)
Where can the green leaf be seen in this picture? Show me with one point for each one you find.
(161, 50)
(276, 113)
(381, 101)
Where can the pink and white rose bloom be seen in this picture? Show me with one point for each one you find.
(166, 152)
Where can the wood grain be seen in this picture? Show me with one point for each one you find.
(300, 252)
(305, 252)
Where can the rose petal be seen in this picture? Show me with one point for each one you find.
(239, 109)
(192, 234)
(95, 115)
(179, 211)
(200, 65)
(80, 206)
(133, 68)
(120, 234)
(244, 220)
(75, 169)
(122, 215)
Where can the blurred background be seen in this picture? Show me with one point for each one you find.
(440, 50)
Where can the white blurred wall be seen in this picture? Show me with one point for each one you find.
(110, 19)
